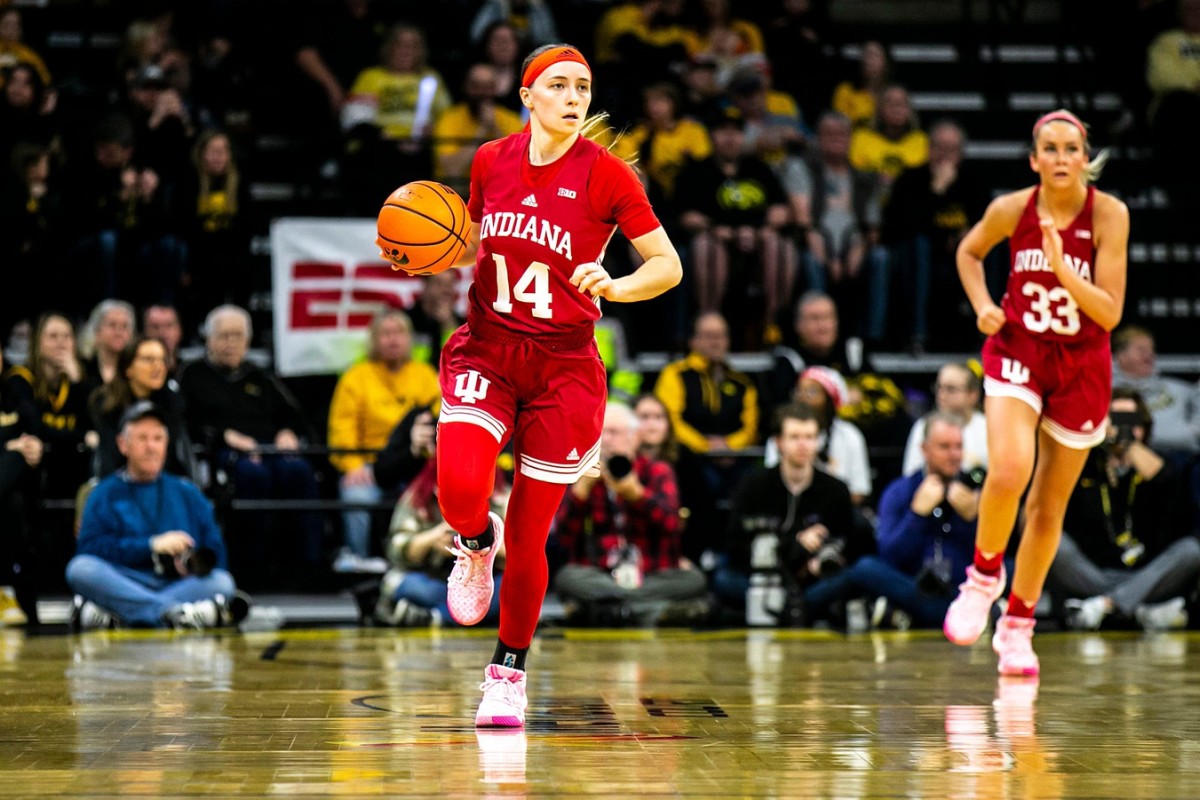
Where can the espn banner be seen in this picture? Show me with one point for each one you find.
(328, 282)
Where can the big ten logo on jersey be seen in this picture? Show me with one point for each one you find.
(1014, 371)
(334, 295)
(470, 386)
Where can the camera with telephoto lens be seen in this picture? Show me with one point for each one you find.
(619, 466)
(972, 478)
(1123, 423)
(830, 558)
(198, 562)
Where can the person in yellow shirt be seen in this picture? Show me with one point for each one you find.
(1173, 76)
(712, 407)
(857, 98)
(389, 117)
(663, 142)
(655, 23)
(370, 399)
(895, 144)
(13, 51)
(466, 125)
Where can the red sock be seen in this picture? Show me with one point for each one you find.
(1019, 608)
(988, 566)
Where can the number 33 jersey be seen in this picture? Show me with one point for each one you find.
(537, 224)
(1034, 298)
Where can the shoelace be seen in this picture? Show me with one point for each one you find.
(474, 560)
(508, 689)
(975, 586)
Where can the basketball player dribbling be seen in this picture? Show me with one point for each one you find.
(544, 204)
(1047, 371)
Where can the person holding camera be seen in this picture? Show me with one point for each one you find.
(926, 534)
(1128, 547)
(150, 553)
(621, 533)
(805, 513)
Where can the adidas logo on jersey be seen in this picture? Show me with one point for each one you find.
(573, 455)
(1089, 426)
(530, 201)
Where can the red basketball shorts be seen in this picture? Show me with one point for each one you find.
(550, 402)
(1069, 384)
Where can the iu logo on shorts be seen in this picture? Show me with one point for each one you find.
(471, 386)
(1014, 371)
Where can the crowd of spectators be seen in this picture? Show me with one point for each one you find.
(803, 191)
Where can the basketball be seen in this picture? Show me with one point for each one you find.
(423, 228)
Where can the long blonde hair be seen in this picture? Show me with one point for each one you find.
(205, 179)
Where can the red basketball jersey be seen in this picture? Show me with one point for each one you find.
(537, 224)
(1034, 299)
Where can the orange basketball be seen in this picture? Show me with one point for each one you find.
(423, 228)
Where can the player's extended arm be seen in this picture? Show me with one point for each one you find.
(1103, 300)
(998, 223)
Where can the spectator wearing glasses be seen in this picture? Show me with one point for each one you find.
(956, 393)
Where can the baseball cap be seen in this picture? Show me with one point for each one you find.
(143, 409)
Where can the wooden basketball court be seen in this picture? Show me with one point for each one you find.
(368, 712)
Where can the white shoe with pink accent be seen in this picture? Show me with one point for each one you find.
(1013, 642)
(968, 615)
(470, 585)
(504, 700)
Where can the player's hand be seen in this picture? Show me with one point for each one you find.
(1052, 243)
(593, 279)
(989, 319)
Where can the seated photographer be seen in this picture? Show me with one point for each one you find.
(926, 533)
(150, 553)
(621, 534)
(1127, 548)
(807, 511)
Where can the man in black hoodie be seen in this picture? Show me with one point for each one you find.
(801, 514)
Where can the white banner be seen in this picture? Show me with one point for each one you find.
(328, 281)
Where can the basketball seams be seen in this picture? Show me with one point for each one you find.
(420, 255)
(413, 211)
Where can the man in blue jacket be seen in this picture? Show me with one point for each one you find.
(925, 532)
(150, 552)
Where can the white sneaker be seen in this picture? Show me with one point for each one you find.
(1086, 615)
(504, 700)
(470, 585)
(87, 616)
(1167, 616)
(197, 615)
